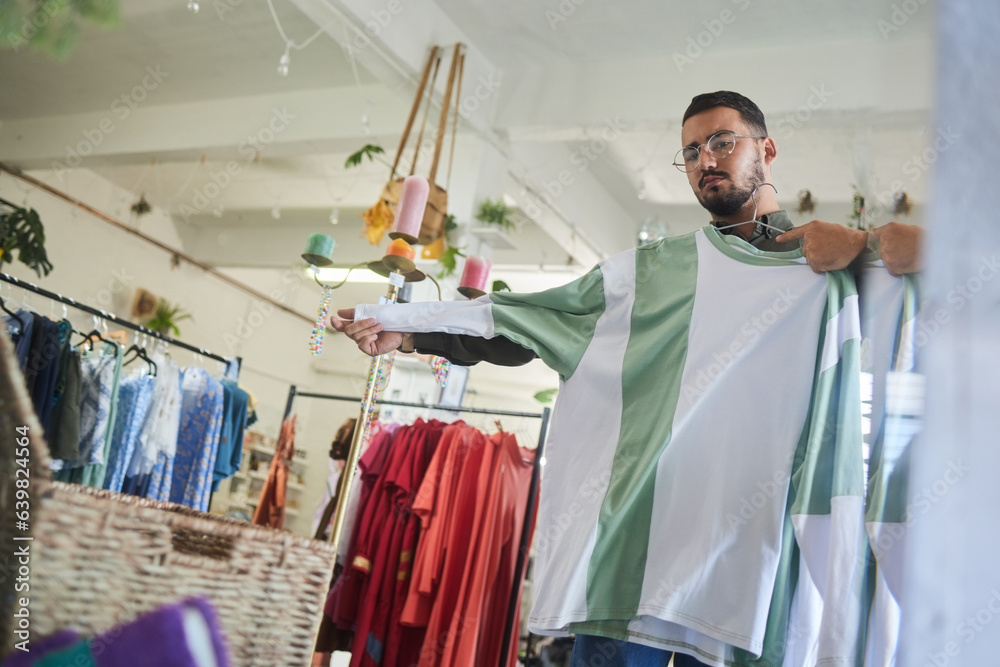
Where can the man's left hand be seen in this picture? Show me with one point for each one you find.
(827, 246)
(899, 247)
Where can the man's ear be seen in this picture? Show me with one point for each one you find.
(770, 150)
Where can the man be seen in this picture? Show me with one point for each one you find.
(727, 157)
(723, 185)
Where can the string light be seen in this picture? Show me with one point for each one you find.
(276, 212)
(334, 216)
(285, 61)
(193, 6)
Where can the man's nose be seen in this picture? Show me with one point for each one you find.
(706, 160)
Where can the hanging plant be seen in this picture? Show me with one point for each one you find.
(51, 25)
(497, 213)
(141, 207)
(369, 151)
(22, 230)
(165, 319)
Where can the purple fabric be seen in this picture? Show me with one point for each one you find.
(40, 648)
(154, 639)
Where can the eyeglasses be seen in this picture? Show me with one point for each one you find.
(720, 145)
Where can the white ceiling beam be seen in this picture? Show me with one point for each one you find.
(782, 80)
(311, 121)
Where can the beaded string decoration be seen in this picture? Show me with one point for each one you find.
(442, 367)
(319, 329)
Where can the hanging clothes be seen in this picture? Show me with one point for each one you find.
(336, 631)
(341, 604)
(271, 505)
(160, 427)
(134, 397)
(20, 330)
(390, 545)
(490, 560)
(234, 422)
(104, 367)
(197, 441)
(42, 370)
(64, 434)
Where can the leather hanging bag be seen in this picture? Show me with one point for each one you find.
(432, 225)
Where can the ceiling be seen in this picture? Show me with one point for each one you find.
(570, 110)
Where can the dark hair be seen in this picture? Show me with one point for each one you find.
(749, 112)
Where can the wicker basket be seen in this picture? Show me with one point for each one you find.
(99, 558)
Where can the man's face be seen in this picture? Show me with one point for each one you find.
(723, 186)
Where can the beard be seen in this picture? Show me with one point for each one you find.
(725, 204)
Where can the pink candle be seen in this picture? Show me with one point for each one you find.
(475, 273)
(410, 210)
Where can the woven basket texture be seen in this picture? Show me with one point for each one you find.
(100, 558)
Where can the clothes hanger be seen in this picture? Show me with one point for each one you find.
(13, 314)
(140, 353)
(753, 195)
(89, 338)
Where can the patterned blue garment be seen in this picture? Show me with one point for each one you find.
(95, 407)
(198, 440)
(134, 395)
(162, 478)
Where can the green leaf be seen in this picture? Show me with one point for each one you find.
(166, 317)
(496, 213)
(369, 150)
(500, 286)
(449, 261)
(22, 230)
(546, 395)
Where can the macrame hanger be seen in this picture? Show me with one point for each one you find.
(753, 195)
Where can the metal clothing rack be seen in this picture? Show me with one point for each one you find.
(529, 513)
(5, 277)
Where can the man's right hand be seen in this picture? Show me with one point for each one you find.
(367, 334)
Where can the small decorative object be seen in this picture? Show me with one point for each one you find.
(651, 230)
(143, 304)
(319, 252)
(399, 256)
(167, 316)
(857, 210)
(496, 213)
(378, 219)
(500, 286)
(319, 328)
(368, 150)
(901, 203)
(22, 230)
(441, 367)
(141, 207)
(410, 210)
(433, 251)
(474, 275)
(806, 202)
